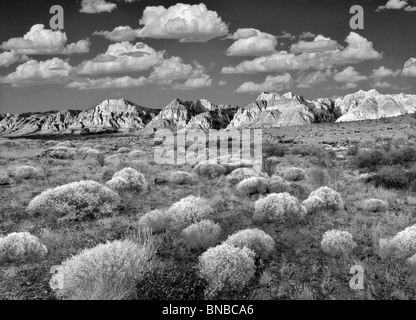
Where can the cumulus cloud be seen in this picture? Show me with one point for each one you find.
(286, 35)
(195, 83)
(397, 5)
(306, 34)
(41, 41)
(122, 57)
(187, 23)
(34, 71)
(222, 83)
(320, 43)
(312, 78)
(383, 84)
(97, 6)
(409, 68)
(383, 72)
(252, 42)
(358, 49)
(349, 75)
(8, 58)
(119, 34)
(271, 83)
(107, 83)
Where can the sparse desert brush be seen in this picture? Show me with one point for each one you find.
(101, 147)
(65, 144)
(136, 154)
(10, 144)
(371, 159)
(255, 239)
(203, 234)
(105, 272)
(337, 243)
(252, 185)
(391, 177)
(139, 165)
(188, 211)
(128, 179)
(209, 170)
(123, 150)
(28, 172)
(226, 267)
(314, 204)
(411, 262)
(77, 201)
(182, 177)
(276, 150)
(402, 245)
(278, 207)
(277, 184)
(293, 174)
(114, 159)
(63, 153)
(21, 247)
(317, 177)
(157, 220)
(4, 177)
(375, 205)
(331, 199)
(240, 174)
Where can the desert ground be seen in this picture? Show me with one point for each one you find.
(369, 166)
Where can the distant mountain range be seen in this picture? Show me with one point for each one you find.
(267, 110)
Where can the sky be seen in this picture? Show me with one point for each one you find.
(226, 51)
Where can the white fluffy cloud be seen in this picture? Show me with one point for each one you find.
(119, 34)
(41, 41)
(187, 23)
(409, 68)
(306, 34)
(271, 83)
(32, 71)
(97, 6)
(397, 5)
(174, 69)
(202, 82)
(349, 75)
(383, 72)
(312, 78)
(107, 83)
(252, 42)
(8, 58)
(286, 35)
(320, 43)
(122, 57)
(358, 49)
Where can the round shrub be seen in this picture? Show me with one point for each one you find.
(105, 272)
(65, 144)
(331, 199)
(203, 234)
(313, 204)
(252, 185)
(402, 245)
(101, 147)
(278, 207)
(136, 154)
(294, 174)
(62, 153)
(188, 211)
(240, 174)
(375, 205)
(336, 242)
(209, 170)
(277, 184)
(128, 179)
(182, 177)
(28, 172)
(227, 267)
(21, 247)
(77, 200)
(156, 220)
(255, 239)
(123, 150)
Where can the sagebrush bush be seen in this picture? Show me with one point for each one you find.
(317, 177)
(188, 211)
(28, 172)
(276, 150)
(375, 205)
(136, 154)
(128, 179)
(182, 177)
(77, 201)
(105, 272)
(391, 177)
(314, 204)
(277, 184)
(336, 242)
(21, 247)
(62, 153)
(255, 239)
(209, 170)
(156, 220)
(203, 234)
(371, 159)
(240, 174)
(331, 199)
(252, 185)
(278, 207)
(227, 267)
(293, 174)
(402, 245)
(123, 150)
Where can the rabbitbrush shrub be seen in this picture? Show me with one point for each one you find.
(182, 177)
(402, 245)
(28, 172)
(255, 239)
(106, 272)
(77, 200)
(252, 185)
(336, 242)
(375, 205)
(156, 220)
(227, 267)
(240, 174)
(278, 207)
(330, 198)
(128, 179)
(203, 234)
(21, 247)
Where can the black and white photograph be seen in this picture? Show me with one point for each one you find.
(207, 156)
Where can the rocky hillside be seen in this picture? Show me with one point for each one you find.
(268, 110)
